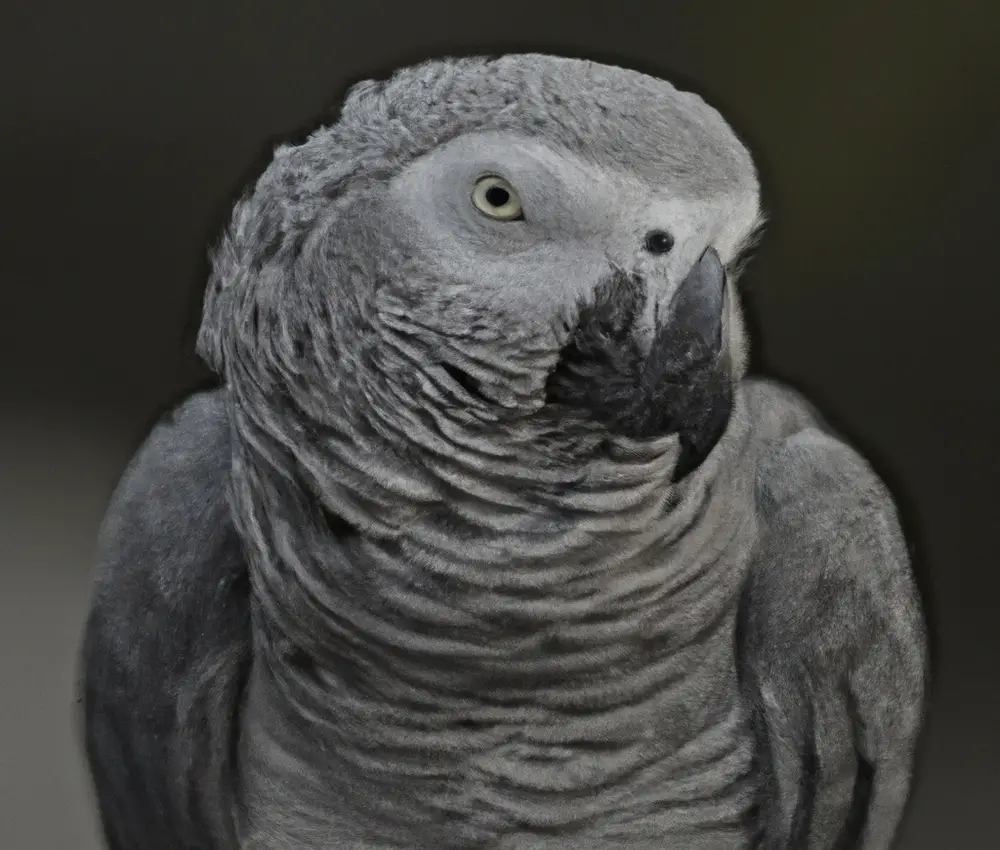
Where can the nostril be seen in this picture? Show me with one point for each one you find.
(659, 242)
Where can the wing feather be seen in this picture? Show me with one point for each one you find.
(166, 646)
(832, 645)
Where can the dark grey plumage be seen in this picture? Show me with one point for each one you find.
(486, 541)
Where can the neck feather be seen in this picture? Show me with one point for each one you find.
(485, 611)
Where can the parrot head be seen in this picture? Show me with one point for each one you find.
(534, 246)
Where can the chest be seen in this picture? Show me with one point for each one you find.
(671, 769)
(619, 731)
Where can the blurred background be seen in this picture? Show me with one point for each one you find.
(128, 127)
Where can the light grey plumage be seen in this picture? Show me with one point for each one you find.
(528, 561)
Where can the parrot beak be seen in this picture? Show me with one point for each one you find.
(699, 302)
(678, 383)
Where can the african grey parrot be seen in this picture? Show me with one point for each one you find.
(485, 539)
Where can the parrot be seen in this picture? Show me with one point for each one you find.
(486, 536)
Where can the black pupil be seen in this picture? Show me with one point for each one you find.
(659, 242)
(497, 196)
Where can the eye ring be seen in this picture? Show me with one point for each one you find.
(495, 198)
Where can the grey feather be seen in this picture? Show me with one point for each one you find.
(503, 548)
(166, 647)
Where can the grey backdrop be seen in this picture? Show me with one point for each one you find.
(128, 127)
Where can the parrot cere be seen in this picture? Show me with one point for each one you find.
(485, 538)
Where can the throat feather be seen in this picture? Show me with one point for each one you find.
(478, 675)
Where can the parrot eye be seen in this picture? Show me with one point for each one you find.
(495, 198)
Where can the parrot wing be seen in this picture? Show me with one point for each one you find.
(832, 643)
(166, 645)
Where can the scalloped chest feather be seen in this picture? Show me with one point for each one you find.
(603, 732)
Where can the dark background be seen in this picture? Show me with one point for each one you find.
(127, 127)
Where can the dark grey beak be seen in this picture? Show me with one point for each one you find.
(697, 304)
(678, 385)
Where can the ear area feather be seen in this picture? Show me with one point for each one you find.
(232, 262)
(256, 240)
(217, 307)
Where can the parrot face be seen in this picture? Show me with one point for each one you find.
(556, 267)
(605, 298)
